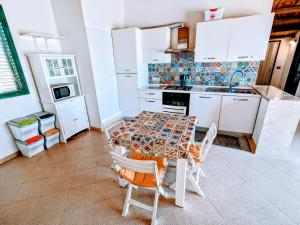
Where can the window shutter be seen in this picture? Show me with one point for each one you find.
(8, 81)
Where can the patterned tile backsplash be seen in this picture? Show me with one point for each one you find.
(211, 74)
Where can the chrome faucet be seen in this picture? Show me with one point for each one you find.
(230, 82)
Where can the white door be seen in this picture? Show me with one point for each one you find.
(67, 122)
(128, 94)
(155, 41)
(249, 37)
(127, 45)
(238, 114)
(206, 108)
(151, 105)
(212, 41)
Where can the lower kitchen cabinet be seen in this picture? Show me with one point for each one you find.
(238, 114)
(206, 108)
(152, 105)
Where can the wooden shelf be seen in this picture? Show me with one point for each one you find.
(40, 35)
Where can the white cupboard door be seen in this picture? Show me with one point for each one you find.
(151, 105)
(238, 114)
(212, 41)
(126, 49)
(249, 37)
(80, 119)
(206, 108)
(128, 94)
(155, 41)
(67, 122)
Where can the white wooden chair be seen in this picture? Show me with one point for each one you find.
(204, 147)
(119, 149)
(140, 166)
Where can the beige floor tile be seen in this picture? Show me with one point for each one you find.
(8, 193)
(83, 177)
(58, 183)
(81, 196)
(104, 160)
(65, 168)
(32, 189)
(86, 163)
(104, 173)
(84, 215)
(108, 189)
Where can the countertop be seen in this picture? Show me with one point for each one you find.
(273, 93)
(200, 89)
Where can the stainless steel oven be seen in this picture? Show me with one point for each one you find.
(176, 102)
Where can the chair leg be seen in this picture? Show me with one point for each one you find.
(154, 212)
(127, 201)
(195, 185)
(202, 172)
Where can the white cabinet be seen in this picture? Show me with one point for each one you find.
(58, 66)
(206, 108)
(238, 114)
(127, 50)
(152, 105)
(236, 39)
(155, 41)
(128, 94)
(212, 41)
(249, 37)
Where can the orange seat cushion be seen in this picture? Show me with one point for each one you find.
(144, 179)
(195, 151)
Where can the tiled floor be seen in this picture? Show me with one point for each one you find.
(72, 184)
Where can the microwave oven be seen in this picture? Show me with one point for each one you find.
(62, 91)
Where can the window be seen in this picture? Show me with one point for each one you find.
(12, 80)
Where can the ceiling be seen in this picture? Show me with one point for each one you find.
(287, 18)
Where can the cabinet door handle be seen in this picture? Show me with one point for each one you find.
(243, 57)
(75, 119)
(150, 93)
(155, 60)
(210, 58)
(204, 97)
(241, 99)
(128, 76)
(150, 101)
(127, 70)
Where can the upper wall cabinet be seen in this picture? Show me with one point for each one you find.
(155, 42)
(249, 38)
(237, 39)
(212, 41)
(127, 50)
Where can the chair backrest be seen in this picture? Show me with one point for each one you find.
(208, 141)
(139, 166)
(106, 131)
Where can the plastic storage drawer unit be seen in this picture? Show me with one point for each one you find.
(46, 121)
(51, 138)
(24, 128)
(30, 149)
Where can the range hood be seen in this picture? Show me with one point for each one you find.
(179, 39)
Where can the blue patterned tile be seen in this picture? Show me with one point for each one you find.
(217, 73)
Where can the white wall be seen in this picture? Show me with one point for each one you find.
(100, 17)
(23, 16)
(76, 43)
(159, 12)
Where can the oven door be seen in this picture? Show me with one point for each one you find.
(176, 102)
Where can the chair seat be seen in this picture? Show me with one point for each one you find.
(144, 179)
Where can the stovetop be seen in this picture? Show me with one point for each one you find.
(177, 87)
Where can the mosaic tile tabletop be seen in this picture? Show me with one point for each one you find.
(159, 134)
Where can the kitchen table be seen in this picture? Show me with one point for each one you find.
(161, 134)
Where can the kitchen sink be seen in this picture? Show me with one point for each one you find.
(231, 90)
